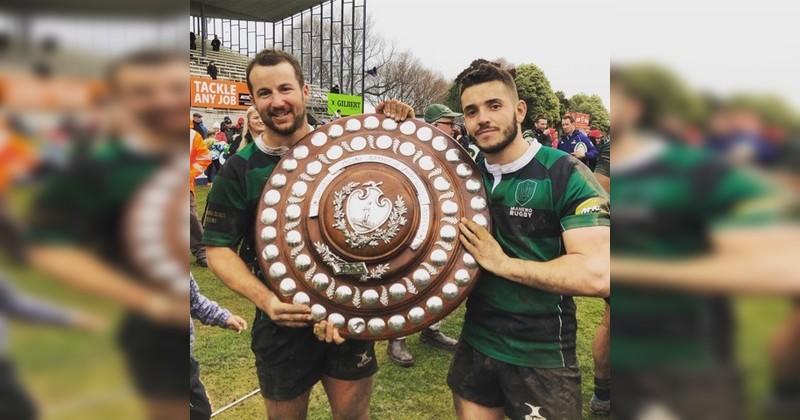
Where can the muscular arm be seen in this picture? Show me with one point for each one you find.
(226, 265)
(582, 271)
(745, 260)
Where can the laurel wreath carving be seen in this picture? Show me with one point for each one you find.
(435, 172)
(357, 298)
(396, 219)
(375, 273)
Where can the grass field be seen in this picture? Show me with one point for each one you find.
(80, 376)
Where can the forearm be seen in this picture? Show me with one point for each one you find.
(764, 274)
(571, 274)
(226, 265)
(82, 270)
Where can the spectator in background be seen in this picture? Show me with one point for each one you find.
(252, 128)
(237, 129)
(199, 159)
(441, 117)
(540, 131)
(219, 132)
(192, 41)
(197, 124)
(215, 43)
(576, 143)
(596, 136)
(212, 70)
(207, 312)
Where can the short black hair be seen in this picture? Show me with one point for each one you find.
(482, 71)
(145, 57)
(540, 117)
(272, 57)
(568, 117)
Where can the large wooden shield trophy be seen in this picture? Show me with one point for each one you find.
(360, 221)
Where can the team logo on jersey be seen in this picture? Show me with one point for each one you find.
(524, 192)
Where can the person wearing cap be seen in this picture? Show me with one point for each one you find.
(443, 118)
(197, 124)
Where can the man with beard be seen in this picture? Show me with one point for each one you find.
(77, 223)
(550, 241)
(289, 358)
(539, 131)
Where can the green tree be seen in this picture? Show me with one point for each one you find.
(563, 103)
(452, 98)
(592, 105)
(535, 90)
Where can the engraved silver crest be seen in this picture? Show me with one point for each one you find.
(366, 210)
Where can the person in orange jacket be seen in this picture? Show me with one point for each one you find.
(199, 159)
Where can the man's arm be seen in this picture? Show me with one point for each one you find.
(82, 270)
(226, 265)
(583, 271)
(744, 260)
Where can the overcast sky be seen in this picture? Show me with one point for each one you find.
(724, 46)
(567, 39)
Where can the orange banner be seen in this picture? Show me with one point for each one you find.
(581, 120)
(219, 94)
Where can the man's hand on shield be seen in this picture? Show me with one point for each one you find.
(327, 332)
(287, 314)
(395, 109)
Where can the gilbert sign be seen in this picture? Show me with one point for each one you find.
(219, 94)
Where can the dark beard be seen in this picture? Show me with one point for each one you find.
(299, 119)
(510, 135)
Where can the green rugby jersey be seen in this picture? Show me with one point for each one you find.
(86, 204)
(233, 200)
(666, 206)
(532, 201)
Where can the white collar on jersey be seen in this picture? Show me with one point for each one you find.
(273, 151)
(497, 170)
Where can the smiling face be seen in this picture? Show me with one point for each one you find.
(255, 124)
(492, 114)
(567, 125)
(279, 98)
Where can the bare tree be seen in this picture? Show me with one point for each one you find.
(406, 79)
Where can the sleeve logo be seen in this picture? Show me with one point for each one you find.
(593, 205)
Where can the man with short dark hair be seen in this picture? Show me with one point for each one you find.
(575, 142)
(215, 43)
(550, 241)
(289, 357)
(540, 131)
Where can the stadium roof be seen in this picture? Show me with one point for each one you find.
(257, 10)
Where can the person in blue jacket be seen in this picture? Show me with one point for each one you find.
(570, 139)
